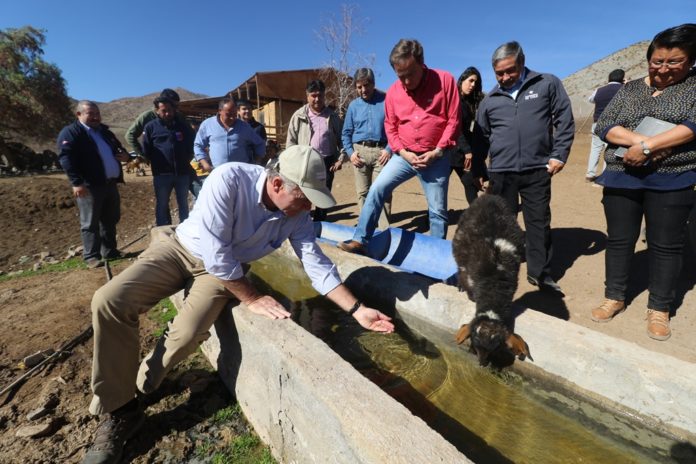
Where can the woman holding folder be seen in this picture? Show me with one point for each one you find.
(653, 178)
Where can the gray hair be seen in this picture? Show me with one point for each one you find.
(224, 101)
(272, 172)
(405, 49)
(507, 50)
(364, 75)
(82, 104)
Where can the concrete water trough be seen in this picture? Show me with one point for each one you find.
(309, 405)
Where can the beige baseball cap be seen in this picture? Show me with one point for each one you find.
(304, 166)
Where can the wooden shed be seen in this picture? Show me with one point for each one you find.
(276, 95)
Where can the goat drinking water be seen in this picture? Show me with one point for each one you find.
(488, 246)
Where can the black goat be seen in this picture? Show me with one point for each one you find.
(488, 247)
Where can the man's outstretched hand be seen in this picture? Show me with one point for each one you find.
(269, 307)
(374, 320)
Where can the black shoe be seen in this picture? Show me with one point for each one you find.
(114, 254)
(111, 435)
(545, 283)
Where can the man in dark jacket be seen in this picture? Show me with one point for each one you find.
(168, 145)
(245, 111)
(529, 125)
(90, 154)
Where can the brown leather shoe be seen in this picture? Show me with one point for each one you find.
(607, 310)
(351, 246)
(658, 324)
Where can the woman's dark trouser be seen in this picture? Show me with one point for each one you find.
(665, 220)
(467, 179)
(691, 228)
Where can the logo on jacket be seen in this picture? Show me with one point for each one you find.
(531, 95)
(179, 136)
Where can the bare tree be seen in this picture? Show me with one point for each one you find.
(337, 36)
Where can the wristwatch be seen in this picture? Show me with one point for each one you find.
(646, 150)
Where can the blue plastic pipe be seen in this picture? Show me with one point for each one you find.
(409, 251)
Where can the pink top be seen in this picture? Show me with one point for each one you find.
(425, 118)
(320, 141)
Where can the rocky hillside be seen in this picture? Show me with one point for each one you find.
(119, 114)
(582, 83)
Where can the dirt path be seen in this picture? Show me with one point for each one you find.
(37, 214)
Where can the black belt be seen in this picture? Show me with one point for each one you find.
(372, 143)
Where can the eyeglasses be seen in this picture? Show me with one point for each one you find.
(671, 64)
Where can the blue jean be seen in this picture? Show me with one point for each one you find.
(100, 211)
(196, 185)
(595, 152)
(434, 179)
(164, 184)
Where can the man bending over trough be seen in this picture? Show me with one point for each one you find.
(242, 214)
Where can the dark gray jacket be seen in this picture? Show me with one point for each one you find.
(526, 132)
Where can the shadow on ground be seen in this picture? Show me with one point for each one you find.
(572, 242)
(341, 213)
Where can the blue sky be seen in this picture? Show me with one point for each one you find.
(114, 49)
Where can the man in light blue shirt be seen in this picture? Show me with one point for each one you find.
(224, 138)
(364, 138)
(243, 213)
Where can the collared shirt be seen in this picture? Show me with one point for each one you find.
(240, 143)
(111, 164)
(512, 91)
(320, 141)
(425, 118)
(364, 121)
(230, 225)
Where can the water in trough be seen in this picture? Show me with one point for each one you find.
(489, 415)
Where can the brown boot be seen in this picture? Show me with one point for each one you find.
(658, 324)
(607, 310)
(351, 246)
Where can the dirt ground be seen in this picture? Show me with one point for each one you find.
(38, 215)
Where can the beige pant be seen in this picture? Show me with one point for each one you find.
(363, 179)
(162, 270)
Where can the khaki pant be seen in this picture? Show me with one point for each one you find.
(162, 270)
(363, 179)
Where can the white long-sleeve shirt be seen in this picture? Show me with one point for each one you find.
(230, 225)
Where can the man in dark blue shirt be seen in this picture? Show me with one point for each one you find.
(168, 145)
(364, 139)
